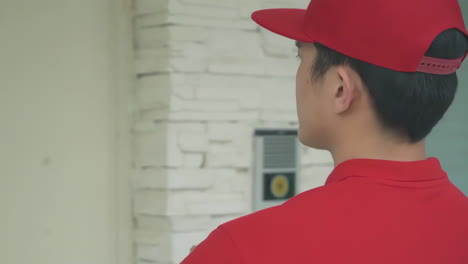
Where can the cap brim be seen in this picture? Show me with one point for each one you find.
(285, 22)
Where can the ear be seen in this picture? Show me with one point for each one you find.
(346, 89)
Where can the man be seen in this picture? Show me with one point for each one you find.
(375, 77)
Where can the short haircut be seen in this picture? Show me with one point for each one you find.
(409, 104)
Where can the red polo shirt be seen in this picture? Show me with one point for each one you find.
(369, 211)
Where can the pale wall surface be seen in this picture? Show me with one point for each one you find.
(58, 133)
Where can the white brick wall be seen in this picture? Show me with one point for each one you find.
(207, 78)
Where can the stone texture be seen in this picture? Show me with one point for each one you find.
(207, 77)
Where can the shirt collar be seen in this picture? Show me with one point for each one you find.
(412, 171)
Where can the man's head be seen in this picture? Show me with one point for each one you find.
(376, 71)
(339, 96)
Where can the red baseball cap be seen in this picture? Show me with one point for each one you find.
(394, 34)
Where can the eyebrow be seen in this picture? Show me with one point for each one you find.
(298, 44)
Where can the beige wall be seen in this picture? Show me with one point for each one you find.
(58, 142)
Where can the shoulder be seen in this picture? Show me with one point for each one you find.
(265, 223)
(258, 233)
(218, 247)
(314, 199)
(254, 234)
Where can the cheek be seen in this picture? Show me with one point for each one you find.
(304, 95)
(303, 99)
(302, 85)
(308, 109)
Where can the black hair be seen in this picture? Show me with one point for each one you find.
(410, 104)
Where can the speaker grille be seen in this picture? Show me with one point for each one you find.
(279, 152)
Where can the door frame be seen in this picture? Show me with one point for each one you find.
(123, 78)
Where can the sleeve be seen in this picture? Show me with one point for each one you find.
(217, 248)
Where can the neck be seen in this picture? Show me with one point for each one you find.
(378, 148)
